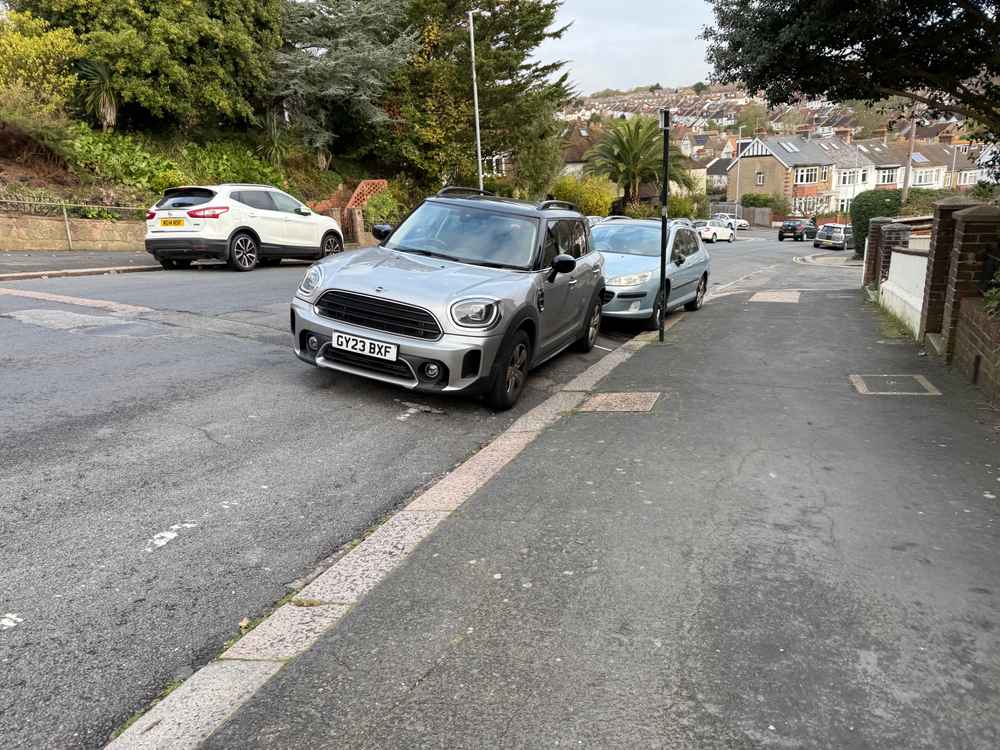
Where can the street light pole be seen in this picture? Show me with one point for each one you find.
(664, 214)
(475, 97)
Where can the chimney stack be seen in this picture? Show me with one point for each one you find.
(845, 134)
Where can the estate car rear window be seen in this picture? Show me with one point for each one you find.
(626, 239)
(260, 199)
(468, 235)
(185, 198)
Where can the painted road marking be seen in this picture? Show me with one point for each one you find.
(101, 304)
(784, 296)
(63, 320)
(165, 537)
(631, 402)
(10, 620)
(889, 385)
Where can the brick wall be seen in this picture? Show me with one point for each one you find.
(977, 347)
(872, 262)
(977, 230)
(893, 236)
(47, 233)
(939, 263)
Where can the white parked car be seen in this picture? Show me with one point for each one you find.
(245, 225)
(732, 221)
(714, 230)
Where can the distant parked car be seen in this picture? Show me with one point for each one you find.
(714, 230)
(594, 220)
(631, 251)
(837, 236)
(797, 229)
(732, 221)
(245, 225)
(682, 222)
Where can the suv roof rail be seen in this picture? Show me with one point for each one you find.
(446, 191)
(557, 204)
(616, 218)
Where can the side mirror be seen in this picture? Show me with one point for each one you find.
(562, 264)
(381, 232)
(303, 211)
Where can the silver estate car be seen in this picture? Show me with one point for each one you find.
(631, 251)
(468, 294)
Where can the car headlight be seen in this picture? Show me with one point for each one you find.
(475, 313)
(632, 279)
(312, 280)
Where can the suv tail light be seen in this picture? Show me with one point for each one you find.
(208, 213)
(150, 215)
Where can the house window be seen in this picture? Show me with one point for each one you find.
(924, 176)
(805, 205)
(844, 205)
(806, 175)
(886, 176)
(758, 179)
(848, 177)
(864, 175)
(967, 178)
(824, 174)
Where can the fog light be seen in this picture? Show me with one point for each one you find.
(313, 344)
(431, 370)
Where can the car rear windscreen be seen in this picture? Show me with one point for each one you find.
(185, 198)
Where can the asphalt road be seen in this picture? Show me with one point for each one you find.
(170, 471)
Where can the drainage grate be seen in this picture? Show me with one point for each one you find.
(620, 402)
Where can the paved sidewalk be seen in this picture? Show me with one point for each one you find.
(767, 558)
(34, 262)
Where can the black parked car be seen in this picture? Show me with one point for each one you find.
(798, 229)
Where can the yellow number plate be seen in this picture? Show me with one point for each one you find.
(171, 222)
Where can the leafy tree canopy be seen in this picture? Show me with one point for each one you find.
(939, 54)
(333, 68)
(177, 60)
(430, 99)
(37, 57)
(700, 87)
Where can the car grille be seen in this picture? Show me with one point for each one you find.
(397, 369)
(380, 314)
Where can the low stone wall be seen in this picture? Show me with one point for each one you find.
(19, 233)
(903, 292)
(977, 347)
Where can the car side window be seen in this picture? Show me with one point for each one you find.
(550, 249)
(284, 203)
(678, 249)
(259, 199)
(580, 247)
(691, 240)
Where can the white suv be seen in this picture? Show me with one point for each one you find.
(245, 225)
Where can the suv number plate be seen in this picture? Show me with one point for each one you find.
(367, 347)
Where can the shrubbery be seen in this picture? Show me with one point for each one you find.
(871, 203)
(593, 196)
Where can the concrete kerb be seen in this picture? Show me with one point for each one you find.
(191, 713)
(69, 272)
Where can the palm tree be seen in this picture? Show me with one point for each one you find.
(100, 98)
(631, 153)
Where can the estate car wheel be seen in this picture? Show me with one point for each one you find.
(510, 372)
(243, 252)
(699, 299)
(182, 264)
(592, 325)
(652, 323)
(332, 244)
(732, 236)
(167, 263)
(715, 238)
(781, 238)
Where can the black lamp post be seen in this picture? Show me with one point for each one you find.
(664, 213)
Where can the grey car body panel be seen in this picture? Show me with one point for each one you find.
(554, 309)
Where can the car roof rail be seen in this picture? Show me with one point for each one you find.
(616, 218)
(451, 189)
(545, 205)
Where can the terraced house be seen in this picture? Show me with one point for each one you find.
(814, 175)
(934, 165)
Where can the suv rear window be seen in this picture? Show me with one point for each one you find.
(260, 199)
(185, 198)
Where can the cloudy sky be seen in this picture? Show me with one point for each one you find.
(625, 44)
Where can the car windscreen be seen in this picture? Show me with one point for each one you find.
(468, 234)
(629, 240)
(185, 198)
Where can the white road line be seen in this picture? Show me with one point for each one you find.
(10, 620)
(164, 537)
(721, 287)
(603, 348)
(101, 304)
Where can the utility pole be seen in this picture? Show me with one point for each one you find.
(909, 161)
(954, 163)
(475, 97)
(739, 161)
(664, 215)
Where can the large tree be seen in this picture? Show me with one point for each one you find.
(430, 100)
(939, 53)
(177, 60)
(334, 65)
(630, 153)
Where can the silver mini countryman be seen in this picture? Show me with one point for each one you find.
(467, 294)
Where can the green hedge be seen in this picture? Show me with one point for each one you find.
(871, 203)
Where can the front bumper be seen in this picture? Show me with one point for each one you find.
(631, 302)
(187, 248)
(465, 361)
